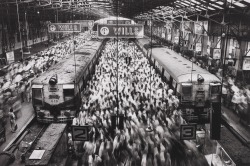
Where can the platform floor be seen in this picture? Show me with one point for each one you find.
(23, 117)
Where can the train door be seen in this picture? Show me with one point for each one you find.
(37, 96)
(186, 92)
(200, 98)
(69, 94)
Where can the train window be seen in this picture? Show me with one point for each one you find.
(186, 88)
(174, 84)
(37, 93)
(186, 91)
(37, 96)
(166, 75)
(215, 88)
(68, 94)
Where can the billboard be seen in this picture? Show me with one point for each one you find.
(122, 31)
(64, 27)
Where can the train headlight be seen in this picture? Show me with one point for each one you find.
(53, 80)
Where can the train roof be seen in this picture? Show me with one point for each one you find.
(48, 142)
(178, 67)
(65, 69)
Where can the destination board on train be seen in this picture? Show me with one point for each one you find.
(121, 31)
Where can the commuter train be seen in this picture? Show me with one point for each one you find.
(197, 89)
(56, 93)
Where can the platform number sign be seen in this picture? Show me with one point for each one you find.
(188, 132)
(80, 133)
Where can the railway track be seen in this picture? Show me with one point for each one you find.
(14, 154)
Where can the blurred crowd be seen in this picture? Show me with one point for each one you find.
(148, 132)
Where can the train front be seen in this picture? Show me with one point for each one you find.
(199, 97)
(53, 102)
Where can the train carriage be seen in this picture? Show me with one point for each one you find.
(197, 89)
(56, 93)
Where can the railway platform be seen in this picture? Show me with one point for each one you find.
(233, 121)
(24, 116)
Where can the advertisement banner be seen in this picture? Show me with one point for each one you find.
(246, 63)
(163, 33)
(205, 26)
(64, 27)
(169, 36)
(10, 57)
(186, 26)
(198, 28)
(216, 53)
(122, 31)
(119, 21)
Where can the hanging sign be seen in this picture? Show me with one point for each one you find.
(198, 47)
(10, 57)
(246, 63)
(118, 21)
(80, 133)
(64, 27)
(121, 31)
(198, 27)
(216, 53)
(176, 39)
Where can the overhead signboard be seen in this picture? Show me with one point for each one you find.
(246, 63)
(121, 31)
(64, 27)
(188, 132)
(80, 133)
(118, 21)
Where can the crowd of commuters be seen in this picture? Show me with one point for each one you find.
(15, 79)
(148, 135)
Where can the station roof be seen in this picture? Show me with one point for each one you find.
(160, 10)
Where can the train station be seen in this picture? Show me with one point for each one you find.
(125, 82)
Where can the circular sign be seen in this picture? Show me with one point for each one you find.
(52, 28)
(104, 31)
